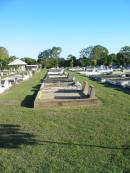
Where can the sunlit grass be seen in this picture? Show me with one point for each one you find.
(91, 139)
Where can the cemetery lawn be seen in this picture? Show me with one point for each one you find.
(84, 140)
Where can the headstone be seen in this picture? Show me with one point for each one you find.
(92, 91)
(30, 73)
(1, 73)
(73, 78)
(5, 84)
(85, 88)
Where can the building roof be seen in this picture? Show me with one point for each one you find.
(17, 62)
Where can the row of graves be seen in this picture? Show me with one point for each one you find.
(121, 80)
(58, 89)
(91, 71)
(18, 71)
(115, 77)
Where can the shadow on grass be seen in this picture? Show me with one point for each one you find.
(29, 99)
(70, 94)
(11, 137)
(122, 147)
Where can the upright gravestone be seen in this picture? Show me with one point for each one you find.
(92, 91)
(85, 88)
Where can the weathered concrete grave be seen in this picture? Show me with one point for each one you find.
(64, 92)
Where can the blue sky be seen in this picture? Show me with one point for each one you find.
(30, 26)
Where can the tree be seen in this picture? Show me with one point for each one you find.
(12, 58)
(55, 53)
(84, 61)
(49, 63)
(121, 60)
(50, 57)
(43, 58)
(4, 57)
(97, 54)
(111, 59)
(44, 54)
(63, 62)
(72, 60)
(86, 52)
(100, 54)
(29, 60)
(125, 52)
(93, 62)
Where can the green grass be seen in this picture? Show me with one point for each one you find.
(87, 140)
